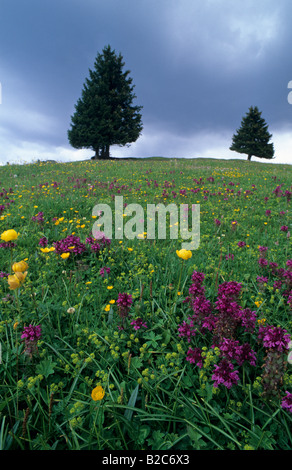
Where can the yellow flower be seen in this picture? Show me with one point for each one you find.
(15, 280)
(65, 255)
(107, 308)
(9, 235)
(110, 287)
(184, 254)
(21, 266)
(112, 301)
(97, 393)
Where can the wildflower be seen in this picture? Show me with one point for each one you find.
(31, 334)
(138, 323)
(263, 262)
(274, 337)
(103, 270)
(62, 246)
(21, 266)
(38, 218)
(43, 241)
(9, 235)
(97, 393)
(262, 279)
(247, 318)
(184, 254)
(65, 255)
(186, 330)
(240, 353)
(71, 310)
(47, 249)
(225, 374)
(124, 303)
(16, 280)
(194, 356)
(2, 274)
(287, 402)
(284, 228)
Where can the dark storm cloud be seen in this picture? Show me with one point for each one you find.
(197, 65)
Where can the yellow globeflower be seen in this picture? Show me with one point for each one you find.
(65, 255)
(9, 235)
(21, 266)
(97, 393)
(184, 254)
(15, 280)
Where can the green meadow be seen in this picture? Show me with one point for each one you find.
(127, 344)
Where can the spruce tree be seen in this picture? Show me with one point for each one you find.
(105, 114)
(252, 138)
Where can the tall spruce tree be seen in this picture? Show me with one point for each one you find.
(252, 138)
(105, 114)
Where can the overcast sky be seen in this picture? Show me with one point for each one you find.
(197, 67)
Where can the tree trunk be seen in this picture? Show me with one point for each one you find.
(249, 157)
(105, 152)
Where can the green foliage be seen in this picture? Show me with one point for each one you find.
(105, 114)
(252, 138)
(154, 399)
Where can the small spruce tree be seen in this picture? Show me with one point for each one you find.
(252, 138)
(105, 114)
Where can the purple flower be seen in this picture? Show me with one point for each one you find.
(2, 274)
(224, 374)
(284, 228)
(31, 334)
(274, 337)
(247, 318)
(231, 349)
(262, 279)
(39, 218)
(194, 356)
(103, 270)
(124, 303)
(70, 244)
(186, 330)
(263, 262)
(241, 244)
(43, 241)
(198, 277)
(8, 245)
(287, 402)
(138, 323)
(263, 249)
(229, 289)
